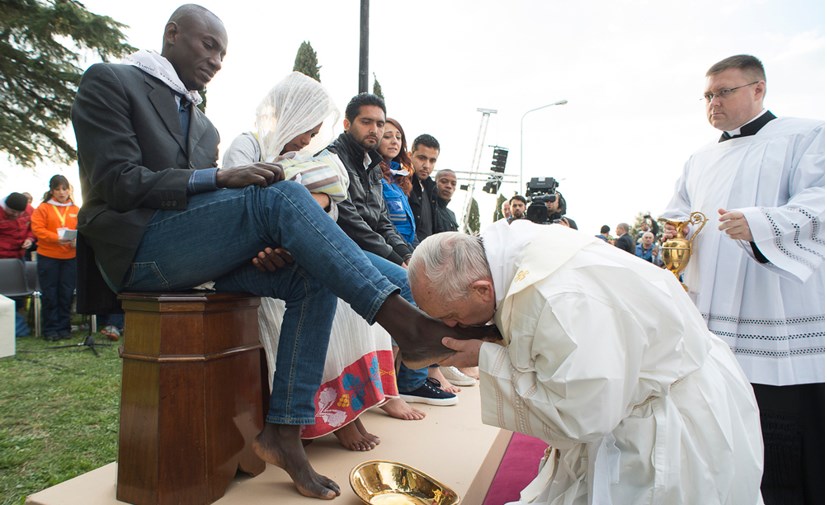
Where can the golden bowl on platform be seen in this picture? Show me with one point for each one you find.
(388, 483)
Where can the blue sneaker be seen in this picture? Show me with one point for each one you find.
(431, 393)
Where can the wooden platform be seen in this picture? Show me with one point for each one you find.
(451, 444)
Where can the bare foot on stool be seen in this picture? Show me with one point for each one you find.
(355, 437)
(399, 408)
(279, 444)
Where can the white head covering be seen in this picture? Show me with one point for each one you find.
(295, 105)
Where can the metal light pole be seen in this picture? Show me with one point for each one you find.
(559, 102)
(364, 47)
(475, 163)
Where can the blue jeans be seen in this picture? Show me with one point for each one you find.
(407, 379)
(216, 237)
(115, 320)
(57, 287)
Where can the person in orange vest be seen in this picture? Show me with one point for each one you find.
(54, 223)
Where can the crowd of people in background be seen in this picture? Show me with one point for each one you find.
(46, 236)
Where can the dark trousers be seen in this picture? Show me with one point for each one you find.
(792, 422)
(113, 319)
(57, 285)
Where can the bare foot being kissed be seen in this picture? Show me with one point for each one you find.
(355, 437)
(399, 408)
(279, 444)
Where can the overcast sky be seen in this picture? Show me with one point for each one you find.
(631, 70)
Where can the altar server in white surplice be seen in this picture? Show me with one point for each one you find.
(605, 358)
(757, 268)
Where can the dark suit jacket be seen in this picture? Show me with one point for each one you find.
(626, 243)
(419, 198)
(133, 158)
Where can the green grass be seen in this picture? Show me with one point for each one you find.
(58, 414)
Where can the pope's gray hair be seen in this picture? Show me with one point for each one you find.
(449, 262)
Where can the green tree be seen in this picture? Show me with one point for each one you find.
(41, 43)
(377, 88)
(306, 61)
(498, 212)
(472, 227)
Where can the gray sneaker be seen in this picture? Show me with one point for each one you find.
(431, 393)
(456, 377)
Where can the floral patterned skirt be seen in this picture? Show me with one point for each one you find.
(358, 371)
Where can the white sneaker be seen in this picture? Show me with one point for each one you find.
(456, 377)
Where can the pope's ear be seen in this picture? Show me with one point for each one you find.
(483, 288)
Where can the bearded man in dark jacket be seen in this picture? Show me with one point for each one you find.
(363, 216)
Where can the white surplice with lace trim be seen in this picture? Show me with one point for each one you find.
(770, 314)
(607, 360)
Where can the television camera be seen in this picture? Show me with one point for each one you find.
(539, 191)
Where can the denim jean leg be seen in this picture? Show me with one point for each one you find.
(394, 273)
(407, 379)
(113, 319)
(302, 348)
(222, 230)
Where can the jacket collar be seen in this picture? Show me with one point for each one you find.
(355, 152)
(750, 128)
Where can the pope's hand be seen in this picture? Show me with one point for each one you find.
(735, 225)
(467, 352)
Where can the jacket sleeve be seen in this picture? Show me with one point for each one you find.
(40, 225)
(358, 230)
(105, 120)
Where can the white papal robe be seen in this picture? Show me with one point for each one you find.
(771, 314)
(607, 360)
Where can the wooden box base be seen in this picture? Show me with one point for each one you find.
(191, 400)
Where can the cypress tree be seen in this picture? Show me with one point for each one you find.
(306, 61)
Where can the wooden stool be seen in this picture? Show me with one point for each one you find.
(191, 399)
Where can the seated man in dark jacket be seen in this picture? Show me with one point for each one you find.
(363, 216)
(444, 218)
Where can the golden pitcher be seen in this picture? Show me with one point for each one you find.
(676, 251)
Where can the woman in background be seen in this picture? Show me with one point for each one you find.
(396, 181)
(54, 223)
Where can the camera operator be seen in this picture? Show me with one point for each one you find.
(542, 193)
(517, 204)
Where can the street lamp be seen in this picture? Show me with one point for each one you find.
(559, 102)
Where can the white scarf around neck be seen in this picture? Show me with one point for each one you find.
(159, 67)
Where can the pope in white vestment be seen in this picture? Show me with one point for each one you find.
(771, 314)
(605, 358)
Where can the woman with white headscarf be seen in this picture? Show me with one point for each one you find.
(359, 368)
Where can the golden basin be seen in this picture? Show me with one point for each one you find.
(387, 483)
